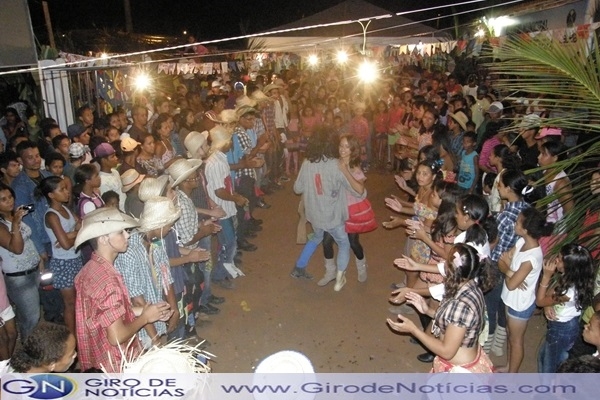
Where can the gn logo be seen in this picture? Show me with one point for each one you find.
(42, 387)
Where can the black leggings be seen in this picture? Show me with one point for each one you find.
(354, 244)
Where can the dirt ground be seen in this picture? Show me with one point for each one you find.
(346, 331)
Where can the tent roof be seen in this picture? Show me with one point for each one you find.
(395, 26)
(393, 30)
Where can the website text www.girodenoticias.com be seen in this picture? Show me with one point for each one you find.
(400, 388)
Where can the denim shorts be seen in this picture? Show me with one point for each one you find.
(522, 315)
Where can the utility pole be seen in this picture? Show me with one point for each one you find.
(48, 24)
(128, 19)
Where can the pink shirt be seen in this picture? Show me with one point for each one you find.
(486, 152)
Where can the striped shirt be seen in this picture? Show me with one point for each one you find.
(218, 177)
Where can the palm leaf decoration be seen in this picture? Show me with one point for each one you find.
(565, 72)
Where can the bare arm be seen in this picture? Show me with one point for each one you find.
(120, 332)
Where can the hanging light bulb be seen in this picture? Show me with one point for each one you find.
(142, 81)
(313, 60)
(342, 56)
(367, 71)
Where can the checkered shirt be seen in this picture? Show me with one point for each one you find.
(187, 225)
(506, 228)
(101, 299)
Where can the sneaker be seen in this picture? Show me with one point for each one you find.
(401, 309)
(212, 299)
(200, 316)
(426, 358)
(300, 273)
(209, 309)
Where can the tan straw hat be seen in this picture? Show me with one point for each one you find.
(158, 212)
(195, 140)
(103, 221)
(225, 117)
(181, 169)
(460, 118)
(259, 96)
(270, 87)
(152, 187)
(130, 178)
(219, 137)
(245, 101)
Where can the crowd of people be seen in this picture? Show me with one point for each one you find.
(139, 213)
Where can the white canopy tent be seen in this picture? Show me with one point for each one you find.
(385, 28)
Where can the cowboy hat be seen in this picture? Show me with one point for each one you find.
(225, 117)
(259, 96)
(270, 87)
(245, 101)
(530, 121)
(194, 141)
(219, 136)
(158, 212)
(152, 187)
(103, 221)
(130, 178)
(243, 110)
(181, 169)
(460, 118)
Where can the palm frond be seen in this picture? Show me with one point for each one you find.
(564, 79)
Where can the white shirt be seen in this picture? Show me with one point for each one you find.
(216, 171)
(518, 299)
(567, 311)
(112, 181)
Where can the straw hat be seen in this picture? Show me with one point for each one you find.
(219, 136)
(152, 187)
(225, 117)
(181, 169)
(246, 109)
(460, 118)
(158, 212)
(195, 140)
(130, 178)
(259, 96)
(103, 221)
(530, 121)
(245, 101)
(270, 87)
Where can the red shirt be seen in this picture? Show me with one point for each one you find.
(102, 298)
(359, 126)
(381, 122)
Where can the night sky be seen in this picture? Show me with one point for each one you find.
(206, 19)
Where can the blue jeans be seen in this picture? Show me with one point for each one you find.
(494, 303)
(206, 269)
(227, 248)
(23, 291)
(560, 338)
(341, 238)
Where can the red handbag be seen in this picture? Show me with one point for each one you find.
(361, 217)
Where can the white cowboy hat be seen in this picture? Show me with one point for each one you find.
(285, 362)
(195, 140)
(130, 178)
(270, 87)
(225, 117)
(245, 101)
(219, 136)
(158, 212)
(152, 187)
(181, 169)
(245, 109)
(103, 221)
(259, 96)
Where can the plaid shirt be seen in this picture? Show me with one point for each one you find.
(102, 299)
(143, 278)
(465, 310)
(200, 195)
(187, 225)
(269, 116)
(242, 146)
(506, 228)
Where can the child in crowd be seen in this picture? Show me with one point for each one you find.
(62, 227)
(86, 189)
(522, 266)
(55, 164)
(111, 199)
(469, 160)
(565, 289)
